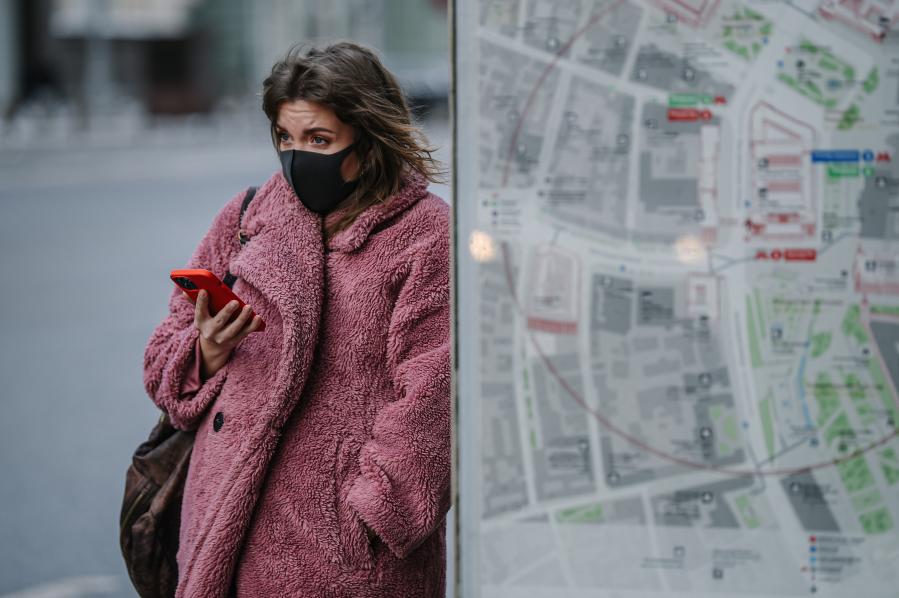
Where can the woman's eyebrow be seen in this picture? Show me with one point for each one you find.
(315, 129)
(307, 131)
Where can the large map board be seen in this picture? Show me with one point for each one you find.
(678, 297)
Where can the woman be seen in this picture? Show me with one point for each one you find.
(321, 465)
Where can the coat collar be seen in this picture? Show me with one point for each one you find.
(286, 242)
(414, 187)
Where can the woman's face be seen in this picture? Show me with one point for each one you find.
(313, 127)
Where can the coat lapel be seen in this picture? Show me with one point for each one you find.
(284, 261)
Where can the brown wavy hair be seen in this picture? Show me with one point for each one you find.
(352, 81)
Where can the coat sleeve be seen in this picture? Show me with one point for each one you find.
(173, 343)
(403, 490)
(192, 380)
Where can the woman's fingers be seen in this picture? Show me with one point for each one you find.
(220, 320)
(221, 329)
(200, 313)
(235, 327)
(252, 326)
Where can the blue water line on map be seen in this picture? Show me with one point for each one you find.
(799, 381)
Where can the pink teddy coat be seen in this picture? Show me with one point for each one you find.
(338, 413)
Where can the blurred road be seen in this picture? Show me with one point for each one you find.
(88, 234)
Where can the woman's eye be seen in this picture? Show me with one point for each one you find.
(322, 139)
(283, 136)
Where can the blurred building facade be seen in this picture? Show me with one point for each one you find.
(169, 57)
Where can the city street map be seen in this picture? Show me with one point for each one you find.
(678, 297)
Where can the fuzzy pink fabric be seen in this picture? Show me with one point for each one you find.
(192, 382)
(337, 415)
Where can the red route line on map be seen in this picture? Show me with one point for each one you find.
(564, 383)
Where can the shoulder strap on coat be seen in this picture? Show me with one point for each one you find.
(230, 278)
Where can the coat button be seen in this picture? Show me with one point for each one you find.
(218, 421)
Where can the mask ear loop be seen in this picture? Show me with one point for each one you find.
(353, 144)
(354, 183)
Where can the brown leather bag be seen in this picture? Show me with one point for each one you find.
(150, 519)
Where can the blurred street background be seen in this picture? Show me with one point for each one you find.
(125, 125)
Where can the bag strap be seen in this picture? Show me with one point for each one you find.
(230, 278)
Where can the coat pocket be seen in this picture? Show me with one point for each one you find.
(356, 551)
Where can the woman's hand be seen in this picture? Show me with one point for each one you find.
(218, 337)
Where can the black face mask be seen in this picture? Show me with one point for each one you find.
(316, 179)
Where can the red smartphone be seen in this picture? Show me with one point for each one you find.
(192, 280)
